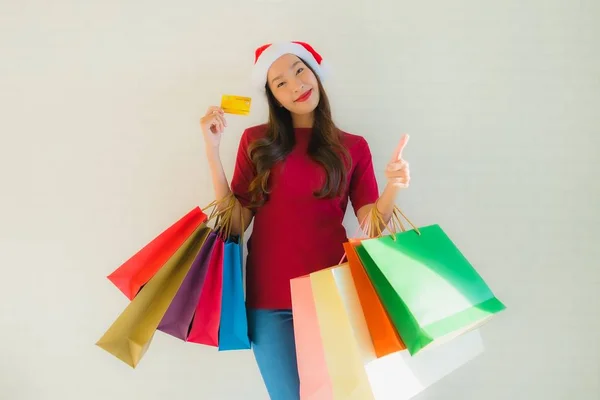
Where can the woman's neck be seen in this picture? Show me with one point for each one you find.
(303, 120)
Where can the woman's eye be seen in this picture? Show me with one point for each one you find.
(280, 84)
(299, 70)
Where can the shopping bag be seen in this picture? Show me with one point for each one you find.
(137, 270)
(129, 337)
(383, 333)
(178, 318)
(205, 325)
(315, 383)
(233, 326)
(344, 357)
(430, 290)
(341, 333)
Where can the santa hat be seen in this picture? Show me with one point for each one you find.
(266, 55)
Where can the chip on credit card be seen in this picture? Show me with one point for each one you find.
(239, 105)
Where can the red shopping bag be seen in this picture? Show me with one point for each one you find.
(137, 270)
(205, 325)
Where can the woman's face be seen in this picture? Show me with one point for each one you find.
(293, 84)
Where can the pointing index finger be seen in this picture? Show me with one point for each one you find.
(400, 148)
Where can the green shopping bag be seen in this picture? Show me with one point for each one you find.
(430, 290)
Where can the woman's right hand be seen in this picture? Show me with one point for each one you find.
(213, 124)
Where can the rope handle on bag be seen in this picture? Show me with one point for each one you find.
(396, 221)
(224, 218)
(215, 213)
(376, 216)
(364, 225)
(221, 217)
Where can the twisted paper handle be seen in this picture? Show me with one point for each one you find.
(374, 221)
(396, 222)
(224, 217)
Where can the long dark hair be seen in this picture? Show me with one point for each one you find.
(325, 148)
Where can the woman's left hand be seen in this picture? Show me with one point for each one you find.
(397, 172)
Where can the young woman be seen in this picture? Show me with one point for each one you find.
(294, 176)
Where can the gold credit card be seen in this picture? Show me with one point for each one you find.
(236, 104)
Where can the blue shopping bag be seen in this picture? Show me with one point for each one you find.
(233, 330)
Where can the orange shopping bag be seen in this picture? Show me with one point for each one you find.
(385, 337)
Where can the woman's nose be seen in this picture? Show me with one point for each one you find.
(298, 85)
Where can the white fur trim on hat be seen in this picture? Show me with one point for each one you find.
(276, 50)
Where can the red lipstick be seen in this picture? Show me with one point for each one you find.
(304, 97)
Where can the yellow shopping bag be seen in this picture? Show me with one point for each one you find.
(330, 360)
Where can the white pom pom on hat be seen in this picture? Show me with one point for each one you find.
(267, 54)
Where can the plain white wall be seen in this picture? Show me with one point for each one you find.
(101, 150)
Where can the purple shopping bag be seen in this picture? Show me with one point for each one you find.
(178, 318)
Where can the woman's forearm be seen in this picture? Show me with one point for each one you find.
(387, 200)
(222, 190)
(219, 179)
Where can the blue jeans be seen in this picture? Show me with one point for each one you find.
(272, 336)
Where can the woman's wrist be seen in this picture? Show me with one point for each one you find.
(212, 151)
(387, 200)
